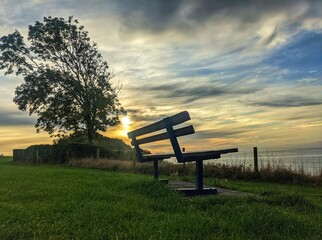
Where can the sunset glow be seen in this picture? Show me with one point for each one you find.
(126, 121)
(249, 74)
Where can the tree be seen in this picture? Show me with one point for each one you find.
(66, 81)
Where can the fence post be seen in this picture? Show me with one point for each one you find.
(255, 160)
(199, 175)
(97, 153)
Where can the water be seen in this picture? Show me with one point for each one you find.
(307, 160)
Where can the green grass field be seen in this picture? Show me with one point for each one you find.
(53, 202)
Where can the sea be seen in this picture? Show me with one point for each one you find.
(308, 160)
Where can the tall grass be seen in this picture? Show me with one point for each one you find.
(56, 202)
(241, 172)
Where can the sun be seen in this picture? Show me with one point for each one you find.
(126, 121)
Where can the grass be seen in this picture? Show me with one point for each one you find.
(56, 202)
(268, 174)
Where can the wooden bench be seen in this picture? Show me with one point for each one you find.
(139, 137)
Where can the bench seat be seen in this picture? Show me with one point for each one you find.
(190, 156)
(152, 157)
(145, 135)
(206, 155)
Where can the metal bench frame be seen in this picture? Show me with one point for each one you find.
(182, 157)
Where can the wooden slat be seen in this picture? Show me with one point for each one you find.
(152, 157)
(190, 156)
(197, 156)
(178, 133)
(175, 120)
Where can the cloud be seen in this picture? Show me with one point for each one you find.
(146, 115)
(153, 16)
(307, 81)
(193, 93)
(216, 23)
(219, 134)
(289, 101)
(11, 118)
(241, 68)
(269, 39)
(161, 14)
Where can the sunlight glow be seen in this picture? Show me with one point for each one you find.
(126, 121)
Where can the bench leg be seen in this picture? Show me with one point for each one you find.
(199, 175)
(155, 170)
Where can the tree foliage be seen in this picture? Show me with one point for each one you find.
(66, 80)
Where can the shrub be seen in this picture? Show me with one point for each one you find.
(63, 152)
(39, 153)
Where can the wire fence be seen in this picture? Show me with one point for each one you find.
(301, 160)
(298, 160)
(308, 161)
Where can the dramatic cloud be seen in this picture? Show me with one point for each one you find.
(249, 72)
(14, 118)
(193, 93)
(290, 101)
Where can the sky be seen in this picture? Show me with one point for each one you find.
(248, 72)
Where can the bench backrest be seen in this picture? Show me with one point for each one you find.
(138, 138)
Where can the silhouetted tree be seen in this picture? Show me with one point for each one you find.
(66, 80)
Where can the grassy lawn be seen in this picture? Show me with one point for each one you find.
(53, 202)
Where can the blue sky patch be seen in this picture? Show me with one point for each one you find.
(302, 57)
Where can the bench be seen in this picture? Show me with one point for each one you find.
(143, 135)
